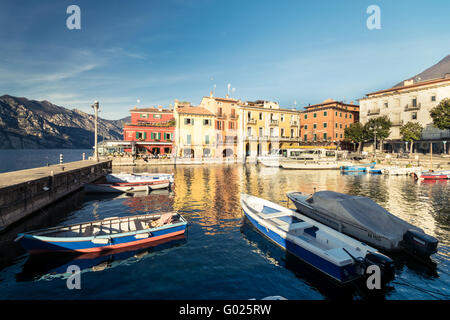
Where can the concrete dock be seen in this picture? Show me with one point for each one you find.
(26, 191)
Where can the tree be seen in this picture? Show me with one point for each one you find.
(379, 127)
(410, 132)
(441, 115)
(355, 133)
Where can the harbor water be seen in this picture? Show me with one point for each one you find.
(222, 256)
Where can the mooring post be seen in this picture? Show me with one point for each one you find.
(60, 158)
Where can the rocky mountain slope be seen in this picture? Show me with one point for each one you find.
(30, 124)
(439, 70)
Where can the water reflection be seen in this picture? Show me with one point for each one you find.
(54, 265)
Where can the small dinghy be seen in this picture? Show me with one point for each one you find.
(140, 186)
(359, 167)
(335, 254)
(432, 175)
(138, 177)
(106, 234)
(363, 219)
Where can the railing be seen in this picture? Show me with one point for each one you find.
(373, 111)
(409, 107)
(396, 123)
(273, 122)
(221, 116)
(251, 121)
(294, 123)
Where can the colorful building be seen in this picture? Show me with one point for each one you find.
(195, 134)
(151, 130)
(264, 126)
(225, 111)
(324, 123)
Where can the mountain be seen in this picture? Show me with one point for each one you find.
(439, 70)
(30, 124)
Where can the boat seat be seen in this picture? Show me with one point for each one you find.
(340, 254)
(88, 231)
(273, 215)
(295, 226)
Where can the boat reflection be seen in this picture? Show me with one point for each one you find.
(54, 265)
(355, 290)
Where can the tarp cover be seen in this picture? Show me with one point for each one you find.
(361, 211)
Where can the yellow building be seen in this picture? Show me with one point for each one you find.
(194, 132)
(264, 127)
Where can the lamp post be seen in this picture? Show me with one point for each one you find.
(95, 106)
(445, 149)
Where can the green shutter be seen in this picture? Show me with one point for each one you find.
(137, 135)
(145, 135)
(159, 135)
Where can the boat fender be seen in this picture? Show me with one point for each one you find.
(385, 264)
(419, 242)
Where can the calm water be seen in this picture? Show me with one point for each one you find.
(12, 160)
(222, 257)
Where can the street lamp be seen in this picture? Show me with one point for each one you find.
(95, 106)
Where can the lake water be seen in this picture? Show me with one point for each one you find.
(222, 256)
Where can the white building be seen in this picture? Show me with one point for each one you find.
(411, 101)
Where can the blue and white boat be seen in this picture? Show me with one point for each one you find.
(338, 256)
(359, 167)
(107, 234)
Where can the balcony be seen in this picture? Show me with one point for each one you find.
(273, 123)
(221, 116)
(397, 123)
(410, 107)
(373, 112)
(251, 121)
(233, 117)
(294, 123)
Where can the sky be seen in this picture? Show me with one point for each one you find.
(147, 53)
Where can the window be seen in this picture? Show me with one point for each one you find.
(324, 124)
(414, 102)
(336, 113)
(282, 118)
(314, 126)
(249, 115)
(306, 126)
(260, 116)
(414, 116)
(143, 115)
(249, 131)
(292, 133)
(188, 139)
(306, 116)
(156, 135)
(260, 131)
(315, 115)
(345, 116)
(350, 115)
(282, 132)
(340, 114)
(219, 125)
(324, 113)
(271, 132)
(305, 137)
(231, 125)
(206, 122)
(167, 136)
(336, 125)
(340, 135)
(141, 135)
(207, 139)
(336, 135)
(340, 125)
(156, 116)
(325, 136)
(315, 137)
(233, 112)
(433, 98)
(188, 121)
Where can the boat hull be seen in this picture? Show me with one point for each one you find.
(299, 165)
(127, 186)
(342, 274)
(358, 168)
(35, 244)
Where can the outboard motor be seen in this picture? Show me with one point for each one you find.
(385, 264)
(419, 242)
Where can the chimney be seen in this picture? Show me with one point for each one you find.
(408, 82)
(160, 108)
(227, 96)
(351, 102)
(211, 94)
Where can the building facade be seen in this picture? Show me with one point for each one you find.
(151, 130)
(410, 102)
(263, 126)
(225, 111)
(195, 134)
(325, 123)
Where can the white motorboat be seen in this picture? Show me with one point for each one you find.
(333, 253)
(138, 186)
(363, 219)
(138, 177)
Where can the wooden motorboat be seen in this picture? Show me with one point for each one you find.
(106, 234)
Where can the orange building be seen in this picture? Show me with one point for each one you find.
(226, 123)
(324, 123)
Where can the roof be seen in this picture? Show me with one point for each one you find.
(222, 99)
(154, 110)
(194, 110)
(329, 103)
(415, 85)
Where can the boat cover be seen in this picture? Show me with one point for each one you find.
(361, 211)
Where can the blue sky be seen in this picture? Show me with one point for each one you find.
(158, 51)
